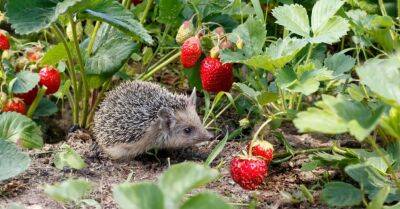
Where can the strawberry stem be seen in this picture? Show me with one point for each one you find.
(146, 11)
(159, 67)
(256, 135)
(35, 103)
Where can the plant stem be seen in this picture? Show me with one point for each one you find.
(71, 72)
(378, 151)
(257, 7)
(256, 135)
(220, 113)
(382, 7)
(96, 103)
(82, 69)
(309, 53)
(162, 59)
(298, 152)
(146, 11)
(93, 38)
(35, 103)
(166, 30)
(159, 67)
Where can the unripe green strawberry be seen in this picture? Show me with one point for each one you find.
(185, 31)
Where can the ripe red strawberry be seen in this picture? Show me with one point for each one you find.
(215, 76)
(136, 2)
(15, 105)
(51, 78)
(248, 172)
(190, 52)
(29, 96)
(262, 149)
(4, 42)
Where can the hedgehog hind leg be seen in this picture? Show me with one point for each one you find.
(127, 150)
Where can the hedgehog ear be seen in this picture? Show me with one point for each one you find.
(193, 97)
(167, 117)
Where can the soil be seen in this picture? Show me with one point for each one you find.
(285, 178)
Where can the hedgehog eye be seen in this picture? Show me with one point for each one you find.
(188, 130)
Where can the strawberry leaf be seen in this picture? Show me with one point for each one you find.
(12, 160)
(138, 196)
(181, 178)
(382, 76)
(24, 82)
(204, 201)
(294, 18)
(111, 50)
(322, 11)
(276, 56)
(331, 32)
(20, 129)
(335, 115)
(115, 14)
(27, 16)
(71, 190)
(169, 11)
(340, 194)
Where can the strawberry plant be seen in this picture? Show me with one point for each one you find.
(306, 93)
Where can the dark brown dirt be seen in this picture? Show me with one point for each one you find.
(104, 173)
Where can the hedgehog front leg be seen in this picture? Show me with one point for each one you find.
(128, 150)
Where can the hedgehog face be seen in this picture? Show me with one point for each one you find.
(184, 128)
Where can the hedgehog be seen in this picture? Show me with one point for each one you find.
(138, 116)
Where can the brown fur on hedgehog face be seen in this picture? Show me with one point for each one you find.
(183, 127)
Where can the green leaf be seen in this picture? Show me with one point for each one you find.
(371, 180)
(67, 157)
(111, 50)
(181, 178)
(20, 129)
(138, 196)
(253, 34)
(113, 13)
(170, 11)
(382, 76)
(356, 92)
(322, 12)
(393, 149)
(28, 16)
(24, 82)
(340, 194)
(267, 97)
(332, 31)
(339, 63)
(12, 160)
(276, 56)
(334, 115)
(71, 190)
(379, 198)
(205, 201)
(294, 18)
(56, 54)
(215, 152)
(397, 206)
(45, 108)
